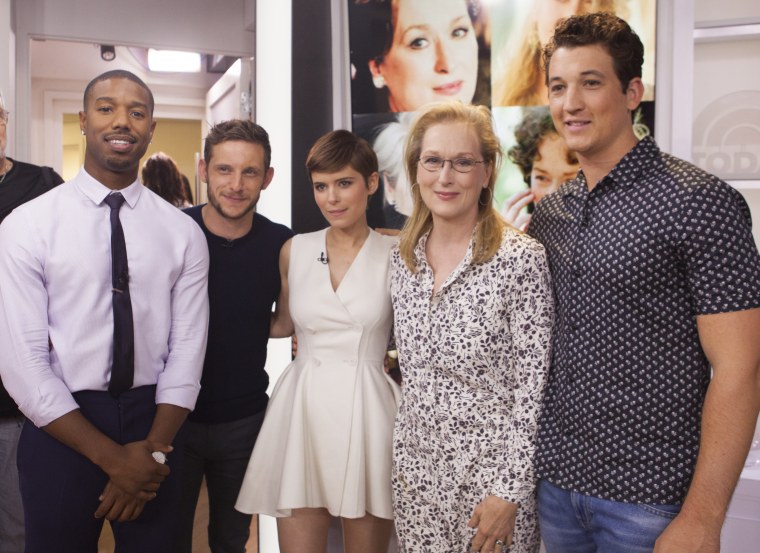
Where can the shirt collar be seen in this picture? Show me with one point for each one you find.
(419, 252)
(643, 155)
(97, 192)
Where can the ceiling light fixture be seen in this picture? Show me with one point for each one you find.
(107, 52)
(173, 61)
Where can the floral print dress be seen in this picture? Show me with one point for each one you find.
(474, 359)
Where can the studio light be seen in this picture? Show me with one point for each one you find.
(178, 62)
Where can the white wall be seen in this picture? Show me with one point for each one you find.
(273, 112)
(733, 10)
(196, 25)
(218, 27)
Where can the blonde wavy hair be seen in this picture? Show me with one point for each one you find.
(490, 226)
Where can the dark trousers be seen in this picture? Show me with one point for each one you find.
(220, 452)
(60, 487)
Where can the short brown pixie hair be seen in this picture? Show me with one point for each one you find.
(608, 31)
(338, 149)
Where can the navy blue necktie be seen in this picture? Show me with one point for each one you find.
(123, 370)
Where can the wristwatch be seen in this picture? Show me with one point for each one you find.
(159, 456)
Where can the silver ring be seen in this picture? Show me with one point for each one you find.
(499, 542)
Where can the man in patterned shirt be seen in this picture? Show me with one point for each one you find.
(657, 279)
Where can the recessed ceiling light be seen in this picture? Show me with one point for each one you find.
(174, 61)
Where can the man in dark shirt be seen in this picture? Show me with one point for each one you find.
(657, 279)
(244, 283)
(19, 183)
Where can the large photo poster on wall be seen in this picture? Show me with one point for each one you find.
(407, 53)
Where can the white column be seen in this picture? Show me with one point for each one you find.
(273, 112)
(675, 76)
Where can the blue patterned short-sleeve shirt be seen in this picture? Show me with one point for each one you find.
(656, 243)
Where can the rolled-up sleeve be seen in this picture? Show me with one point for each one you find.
(24, 342)
(179, 383)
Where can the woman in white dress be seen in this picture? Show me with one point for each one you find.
(325, 447)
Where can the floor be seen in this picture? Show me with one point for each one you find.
(200, 541)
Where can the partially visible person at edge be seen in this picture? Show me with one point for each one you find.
(657, 280)
(544, 161)
(244, 283)
(325, 447)
(161, 174)
(103, 318)
(473, 315)
(186, 190)
(19, 183)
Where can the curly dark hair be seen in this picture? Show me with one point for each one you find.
(536, 123)
(161, 175)
(607, 30)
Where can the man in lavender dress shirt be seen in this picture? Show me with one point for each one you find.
(86, 453)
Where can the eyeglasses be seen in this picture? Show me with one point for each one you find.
(4, 116)
(460, 164)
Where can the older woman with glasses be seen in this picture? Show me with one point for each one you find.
(473, 314)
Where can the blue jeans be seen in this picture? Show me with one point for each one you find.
(572, 522)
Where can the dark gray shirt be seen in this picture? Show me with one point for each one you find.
(655, 243)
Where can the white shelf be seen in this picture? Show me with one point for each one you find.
(745, 184)
(720, 33)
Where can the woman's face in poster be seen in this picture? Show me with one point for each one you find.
(433, 55)
(552, 166)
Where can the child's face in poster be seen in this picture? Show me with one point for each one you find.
(552, 166)
(433, 56)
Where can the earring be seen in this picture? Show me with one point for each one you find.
(490, 197)
(82, 132)
(378, 81)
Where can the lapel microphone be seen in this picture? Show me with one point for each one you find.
(323, 258)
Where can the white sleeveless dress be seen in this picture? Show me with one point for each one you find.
(327, 434)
